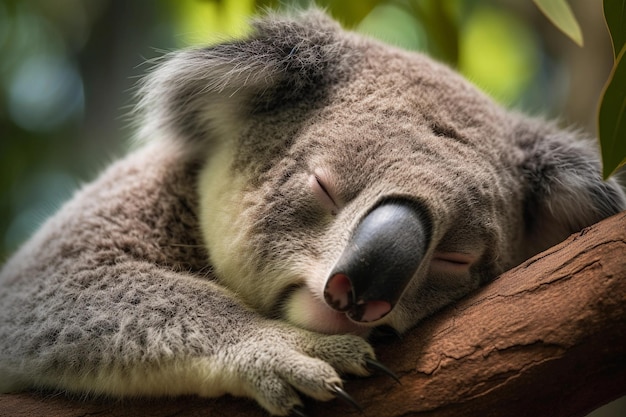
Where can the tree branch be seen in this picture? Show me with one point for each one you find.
(547, 338)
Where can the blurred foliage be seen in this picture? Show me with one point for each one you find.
(205, 22)
(509, 60)
(612, 110)
(69, 66)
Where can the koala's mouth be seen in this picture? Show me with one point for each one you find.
(303, 309)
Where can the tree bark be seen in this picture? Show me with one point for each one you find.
(547, 338)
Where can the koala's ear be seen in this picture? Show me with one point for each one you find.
(198, 94)
(564, 187)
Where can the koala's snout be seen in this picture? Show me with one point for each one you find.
(379, 261)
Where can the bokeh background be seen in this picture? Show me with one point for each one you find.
(68, 68)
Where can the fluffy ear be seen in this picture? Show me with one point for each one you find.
(564, 187)
(196, 94)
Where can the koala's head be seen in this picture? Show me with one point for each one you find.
(348, 184)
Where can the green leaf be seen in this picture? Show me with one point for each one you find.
(612, 118)
(615, 16)
(560, 14)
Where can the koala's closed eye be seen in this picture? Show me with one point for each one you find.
(452, 261)
(323, 190)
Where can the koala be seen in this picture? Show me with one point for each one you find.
(294, 192)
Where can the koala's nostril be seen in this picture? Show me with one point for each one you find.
(369, 311)
(338, 292)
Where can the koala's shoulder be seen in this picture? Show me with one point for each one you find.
(141, 208)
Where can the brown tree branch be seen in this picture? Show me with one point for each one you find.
(547, 338)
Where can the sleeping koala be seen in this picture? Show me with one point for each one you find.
(297, 190)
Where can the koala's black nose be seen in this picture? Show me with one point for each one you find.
(379, 261)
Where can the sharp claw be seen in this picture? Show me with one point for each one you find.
(371, 363)
(298, 411)
(342, 395)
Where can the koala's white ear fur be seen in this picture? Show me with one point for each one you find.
(197, 95)
(564, 188)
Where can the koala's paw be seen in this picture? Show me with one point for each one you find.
(277, 365)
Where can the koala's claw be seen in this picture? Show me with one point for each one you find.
(373, 364)
(345, 397)
(298, 411)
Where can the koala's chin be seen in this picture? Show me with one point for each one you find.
(308, 310)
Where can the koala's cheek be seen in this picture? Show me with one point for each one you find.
(305, 310)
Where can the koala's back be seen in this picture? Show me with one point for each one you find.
(141, 211)
(141, 208)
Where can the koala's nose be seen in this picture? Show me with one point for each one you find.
(379, 261)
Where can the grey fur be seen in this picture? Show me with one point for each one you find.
(186, 268)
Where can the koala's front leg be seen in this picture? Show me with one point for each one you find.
(135, 329)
